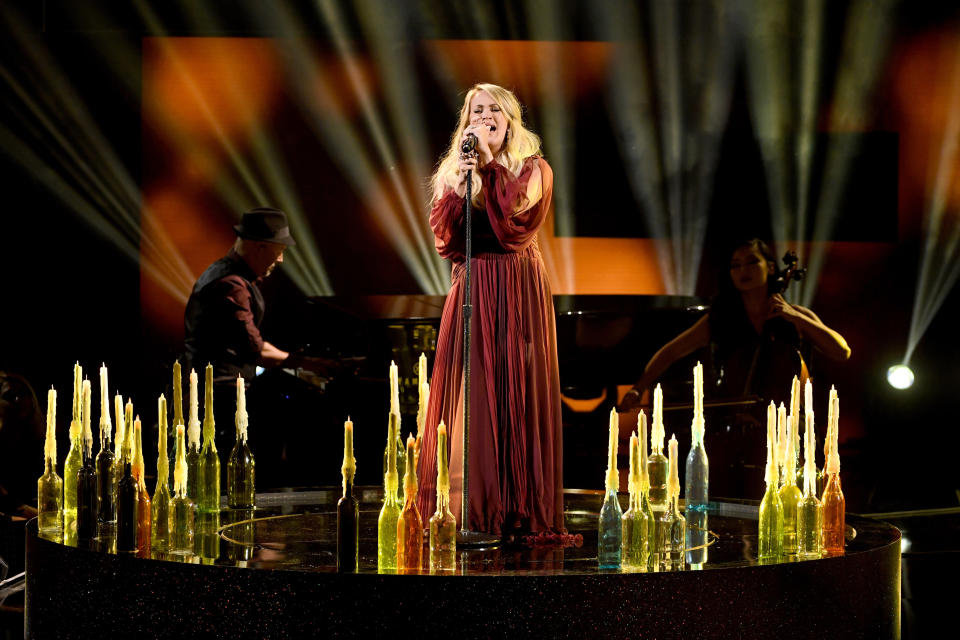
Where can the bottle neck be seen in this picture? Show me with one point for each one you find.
(347, 487)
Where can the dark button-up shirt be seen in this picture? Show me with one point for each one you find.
(222, 320)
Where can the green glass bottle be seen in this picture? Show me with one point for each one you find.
(180, 513)
(635, 524)
(209, 488)
(160, 504)
(49, 485)
(443, 526)
(790, 494)
(809, 511)
(770, 545)
(241, 492)
(390, 513)
(73, 462)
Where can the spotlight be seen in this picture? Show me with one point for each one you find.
(900, 376)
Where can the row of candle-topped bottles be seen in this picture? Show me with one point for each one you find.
(795, 523)
(400, 525)
(653, 534)
(104, 502)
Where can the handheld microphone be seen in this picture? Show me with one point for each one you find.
(469, 143)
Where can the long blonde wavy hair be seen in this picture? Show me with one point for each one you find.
(520, 143)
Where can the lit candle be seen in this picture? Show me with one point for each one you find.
(394, 389)
(422, 370)
(781, 436)
(50, 444)
(828, 439)
(177, 396)
(77, 396)
(106, 429)
(163, 463)
(795, 413)
(808, 400)
(443, 471)
(193, 429)
(87, 408)
(770, 475)
(673, 484)
(349, 467)
(658, 433)
(128, 430)
(243, 420)
(642, 426)
(118, 445)
(613, 478)
(209, 425)
(832, 462)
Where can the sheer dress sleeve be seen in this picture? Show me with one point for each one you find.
(446, 220)
(517, 205)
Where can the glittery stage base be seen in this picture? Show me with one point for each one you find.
(274, 575)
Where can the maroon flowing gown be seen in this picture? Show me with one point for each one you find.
(516, 451)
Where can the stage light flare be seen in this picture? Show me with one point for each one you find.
(900, 376)
(669, 112)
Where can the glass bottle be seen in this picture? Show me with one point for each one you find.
(144, 515)
(809, 511)
(209, 488)
(610, 524)
(635, 524)
(348, 509)
(658, 466)
(106, 498)
(181, 511)
(651, 533)
(410, 524)
(160, 504)
(443, 526)
(390, 513)
(790, 495)
(128, 495)
(86, 478)
(770, 520)
(697, 474)
(49, 485)
(241, 469)
(193, 444)
(124, 417)
(833, 503)
(71, 466)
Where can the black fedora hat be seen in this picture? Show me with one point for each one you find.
(266, 225)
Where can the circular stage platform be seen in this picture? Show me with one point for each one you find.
(272, 573)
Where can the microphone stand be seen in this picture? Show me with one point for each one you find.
(466, 537)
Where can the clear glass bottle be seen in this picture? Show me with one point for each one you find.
(610, 524)
(180, 513)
